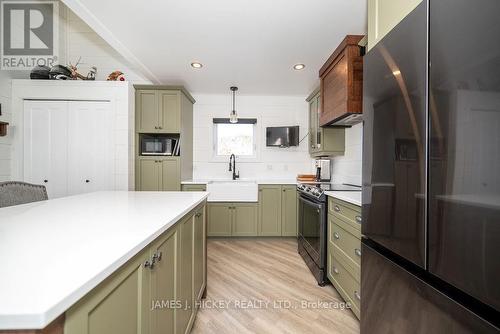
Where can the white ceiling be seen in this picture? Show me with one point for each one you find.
(249, 43)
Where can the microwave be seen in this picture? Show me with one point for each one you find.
(156, 145)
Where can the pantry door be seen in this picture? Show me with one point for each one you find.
(45, 145)
(90, 147)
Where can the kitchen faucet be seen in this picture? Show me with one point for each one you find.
(232, 167)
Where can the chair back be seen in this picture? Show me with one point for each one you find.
(15, 193)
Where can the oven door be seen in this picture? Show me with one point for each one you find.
(312, 228)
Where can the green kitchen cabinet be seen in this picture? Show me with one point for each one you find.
(158, 174)
(227, 219)
(194, 187)
(199, 253)
(164, 282)
(289, 208)
(220, 217)
(170, 174)
(269, 210)
(146, 105)
(102, 310)
(158, 111)
(384, 15)
(169, 111)
(245, 218)
(172, 268)
(148, 174)
(323, 141)
(184, 315)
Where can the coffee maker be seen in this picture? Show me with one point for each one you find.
(322, 170)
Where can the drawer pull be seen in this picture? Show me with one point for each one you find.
(358, 219)
(357, 251)
(156, 257)
(336, 208)
(356, 294)
(335, 271)
(148, 264)
(336, 235)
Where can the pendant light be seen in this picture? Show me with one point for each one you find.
(233, 116)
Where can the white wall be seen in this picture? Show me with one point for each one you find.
(76, 39)
(347, 168)
(269, 111)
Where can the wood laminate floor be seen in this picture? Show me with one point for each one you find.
(245, 274)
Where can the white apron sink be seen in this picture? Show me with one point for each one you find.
(233, 191)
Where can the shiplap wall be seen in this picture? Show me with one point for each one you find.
(347, 168)
(271, 162)
(76, 39)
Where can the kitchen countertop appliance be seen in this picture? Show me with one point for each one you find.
(322, 170)
(312, 236)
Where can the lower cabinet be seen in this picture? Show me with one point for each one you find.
(344, 251)
(274, 215)
(194, 187)
(158, 174)
(232, 219)
(155, 292)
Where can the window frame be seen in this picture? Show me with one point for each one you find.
(241, 158)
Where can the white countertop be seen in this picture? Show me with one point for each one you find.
(353, 197)
(54, 252)
(259, 181)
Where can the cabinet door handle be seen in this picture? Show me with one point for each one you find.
(45, 181)
(156, 257)
(156, 127)
(148, 264)
(336, 235)
(358, 219)
(198, 215)
(87, 181)
(357, 295)
(160, 127)
(335, 271)
(357, 251)
(336, 208)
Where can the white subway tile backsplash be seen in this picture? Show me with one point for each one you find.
(347, 168)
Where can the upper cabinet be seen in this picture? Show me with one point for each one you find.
(342, 84)
(328, 141)
(383, 15)
(159, 110)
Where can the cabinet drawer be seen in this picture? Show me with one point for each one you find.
(194, 187)
(344, 282)
(345, 241)
(346, 211)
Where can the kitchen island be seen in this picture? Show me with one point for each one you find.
(101, 262)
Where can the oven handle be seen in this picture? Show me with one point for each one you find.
(317, 205)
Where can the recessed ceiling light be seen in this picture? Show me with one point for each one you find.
(299, 67)
(196, 64)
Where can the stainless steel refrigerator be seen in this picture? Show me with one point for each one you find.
(431, 172)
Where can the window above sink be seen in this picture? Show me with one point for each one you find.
(239, 138)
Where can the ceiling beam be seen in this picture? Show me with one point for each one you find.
(81, 11)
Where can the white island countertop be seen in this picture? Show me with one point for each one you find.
(54, 252)
(258, 181)
(353, 197)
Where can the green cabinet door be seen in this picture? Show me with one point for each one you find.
(163, 282)
(245, 219)
(169, 111)
(219, 219)
(199, 252)
(269, 210)
(185, 276)
(146, 111)
(148, 174)
(289, 211)
(194, 187)
(170, 174)
(119, 305)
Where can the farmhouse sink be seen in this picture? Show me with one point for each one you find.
(233, 191)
